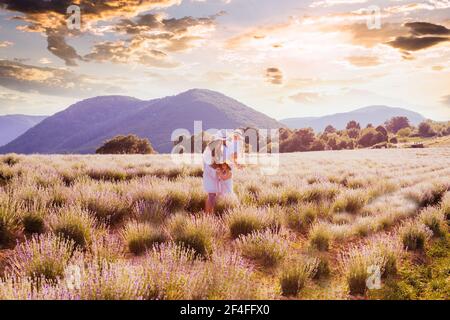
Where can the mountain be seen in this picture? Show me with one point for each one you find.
(12, 126)
(375, 115)
(84, 126)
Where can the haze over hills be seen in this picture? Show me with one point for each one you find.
(84, 126)
(375, 115)
(12, 126)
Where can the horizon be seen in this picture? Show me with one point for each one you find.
(278, 119)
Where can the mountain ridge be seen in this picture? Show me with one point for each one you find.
(375, 114)
(14, 125)
(85, 125)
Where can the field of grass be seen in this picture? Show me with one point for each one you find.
(132, 227)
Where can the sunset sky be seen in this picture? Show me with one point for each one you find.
(285, 58)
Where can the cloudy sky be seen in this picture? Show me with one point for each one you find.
(286, 58)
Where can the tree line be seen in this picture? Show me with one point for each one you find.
(301, 140)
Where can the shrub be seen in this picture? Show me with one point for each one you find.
(357, 274)
(405, 132)
(414, 235)
(106, 248)
(74, 224)
(43, 257)
(301, 218)
(196, 202)
(141, 236)
(176, 200)
(130, 144)
(294, 275)
(11, 159)
(225, 204)
(109, 281)
(243, 221)
(6, 175)
(266, 248)
(350, 201)
(320, 237)
(34, 221)
(291, 196)
(150, 212)
(433, 218)
(445, 206)
(428, 195)
(320, 192)
(107, 174)
(362, 261)
(226, 276)
(8, 222)
(195, 234)
(108, 207)
(323, 268)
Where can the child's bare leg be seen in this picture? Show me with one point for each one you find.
(210, 203)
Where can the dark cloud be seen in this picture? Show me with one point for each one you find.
(92, 8)
(274, 76)
(56, 44)
(363, 36)
(51, 81)
(412, 36)
(34, 7)
(49, 17)
(426, 28)
(422, 35)
(416, 43)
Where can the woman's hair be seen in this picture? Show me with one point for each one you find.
(222, 166)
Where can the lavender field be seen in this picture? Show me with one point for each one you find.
(363, 224)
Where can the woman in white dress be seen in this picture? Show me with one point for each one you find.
(217, 171)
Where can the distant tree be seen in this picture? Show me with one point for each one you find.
(393, 140)
(130, 144)
(369, 125)
(425, 130)
(382, 130)
(405, 132)
(370, 137)
(333, 142)
(285, 133)
(353, 133)
(318, 145)
(300, 140)
(353, 125)
(330, 129)
(397, 123)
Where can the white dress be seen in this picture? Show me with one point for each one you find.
(212, 184)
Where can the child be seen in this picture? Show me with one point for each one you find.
(224, 179)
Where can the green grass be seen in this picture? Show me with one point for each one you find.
(427, 281)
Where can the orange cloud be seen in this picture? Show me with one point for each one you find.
(363, 61)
